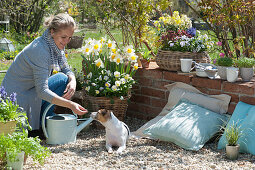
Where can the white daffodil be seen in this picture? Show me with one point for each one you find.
(89, 75)
(122, 80)
(118, 83)
(96, 46)
(111, 44)
(135, 66)
(133, 58)
(99, 63)
(106, 78)
(88, 41)
(112, 57)
(118, 59)
(107, 84)
(97, 91)
(129, 49)
(117, 74)
(87, 49)
(114, 88)
(103, 40)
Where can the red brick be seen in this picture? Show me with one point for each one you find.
(160, 84)
(140, 99)
(142, 81)
(248, 99)
(231, 108)
(238, 88)
(133, 106)
(158, 102)
(206, 82)
(153, 92)
(173, 76)
(203, 90)
(153, 73)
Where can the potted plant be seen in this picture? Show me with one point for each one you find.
(108, 75)
(232, 133)
(14, 146)
(222, 64)
(178, 39)
(146, 59)
(10, 113)
(246, 67)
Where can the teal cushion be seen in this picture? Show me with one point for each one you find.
(244, 116)
(188, 125)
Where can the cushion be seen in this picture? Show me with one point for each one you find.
(244, 116)
(178, 90)
(188, 125)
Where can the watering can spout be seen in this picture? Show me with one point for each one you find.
(83, 125)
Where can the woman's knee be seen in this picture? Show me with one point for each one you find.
(60, 78)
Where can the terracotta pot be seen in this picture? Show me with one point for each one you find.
(145, 63)
(232, 152)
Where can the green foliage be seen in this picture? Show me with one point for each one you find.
(233, 133)
(233, 24)
(147, 55)
(224, 61)
(18, 142)
(79, 79)
(8, 55)
(245, 62)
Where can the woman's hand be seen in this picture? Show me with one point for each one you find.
(70, 88)
(78, 109)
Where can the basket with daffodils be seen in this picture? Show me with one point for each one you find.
(108, 74)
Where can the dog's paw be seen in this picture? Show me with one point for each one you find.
(110, 151)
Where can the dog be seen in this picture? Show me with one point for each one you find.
(117, 132)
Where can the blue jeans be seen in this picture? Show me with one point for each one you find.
(57, 83)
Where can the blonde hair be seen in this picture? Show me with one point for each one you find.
(59, 21)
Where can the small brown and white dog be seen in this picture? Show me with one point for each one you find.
(117, 132)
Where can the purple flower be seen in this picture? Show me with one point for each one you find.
(214, 61)
(222, 55)
(192, 31)
(219, 43)
(3, 93)
(13, 97)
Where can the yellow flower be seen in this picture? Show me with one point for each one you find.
(136, 66)
(96, 46)
(87, 50)
(66, 55)
(114, 50)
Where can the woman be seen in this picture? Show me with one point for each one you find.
(31, 73)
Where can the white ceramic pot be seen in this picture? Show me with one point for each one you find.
(232, 74)
(222, 72)
(18, 164)
(232, 152)
(246, 73)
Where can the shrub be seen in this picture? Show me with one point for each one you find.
(245, 62)
(224, 61)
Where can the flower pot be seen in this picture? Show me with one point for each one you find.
(246, 73)
(232, 74)
(145, 63)
(222, 72)
(232, 152)
(18, 164)
(8, 127)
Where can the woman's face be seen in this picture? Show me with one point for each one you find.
(62, 37)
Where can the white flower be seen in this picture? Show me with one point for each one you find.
(133, 58)
(117, 74)
(182, 43)
(99, 63)
(118, 59)
(103, 40)
(122, 80)
(93, 84)
(135, 66)
(107, 84)
(89, 75)
(121, 98)
(101, 88)
(87, 88)
(126, 76)
(129, 49)
(117, 83)
(114, 88)
(88, 49)
(97, 91)
(106, 78)
(111, 44)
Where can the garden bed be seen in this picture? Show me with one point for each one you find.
(89, 153)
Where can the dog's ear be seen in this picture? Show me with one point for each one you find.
(103, 112)
(109, 113)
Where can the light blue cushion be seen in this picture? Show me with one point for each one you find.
(187, 125)
(244, 116)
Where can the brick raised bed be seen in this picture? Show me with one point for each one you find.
(150, 95)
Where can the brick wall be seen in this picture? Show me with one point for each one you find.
(150, 95)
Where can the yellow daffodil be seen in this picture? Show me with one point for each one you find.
(136, 66)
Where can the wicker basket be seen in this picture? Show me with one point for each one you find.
(170, 60)
(75, 42)
(118, 106)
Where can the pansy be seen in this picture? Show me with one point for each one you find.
(117, 74)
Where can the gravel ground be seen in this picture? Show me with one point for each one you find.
(89, 152)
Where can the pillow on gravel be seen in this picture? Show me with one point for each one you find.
(187, 125)
(244, 116)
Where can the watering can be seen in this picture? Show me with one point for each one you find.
(61, 128)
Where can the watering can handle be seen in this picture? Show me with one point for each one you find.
(43, 120)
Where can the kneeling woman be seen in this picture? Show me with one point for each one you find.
(32, 77)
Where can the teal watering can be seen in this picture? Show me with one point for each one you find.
(61, 128)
